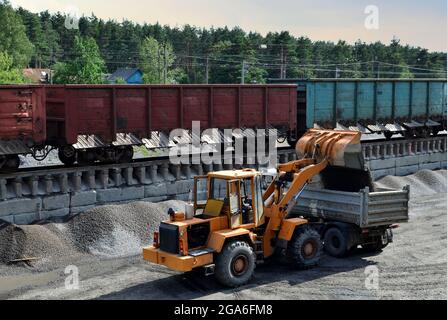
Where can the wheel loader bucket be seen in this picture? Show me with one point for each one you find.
(340, 148)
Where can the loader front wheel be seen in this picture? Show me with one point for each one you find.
(235, 265)
(305, 248)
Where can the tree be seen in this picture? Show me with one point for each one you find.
(13, 39)
(86, 66)
(156, 62)
(8, 74)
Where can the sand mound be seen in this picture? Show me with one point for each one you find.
(423, 183)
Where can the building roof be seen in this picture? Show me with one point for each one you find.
(36, 75)
(124, 73)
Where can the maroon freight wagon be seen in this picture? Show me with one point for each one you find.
(103, 122)
(22, 123)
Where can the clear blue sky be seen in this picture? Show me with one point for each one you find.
(418, 23)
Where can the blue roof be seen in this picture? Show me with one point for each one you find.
(124, 73)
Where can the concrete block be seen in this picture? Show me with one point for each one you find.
(118, 195)
(156, 190)
(155, 199)
(179, 187)
(82, 199)
(26, 218)
(407, 161)
(19, 206)
(9, 219)
(56, 202)
(55, 213)
(430, 166)
(405, 171)
(382, 164)
(82, 209)
(378, 174)
(182, 197)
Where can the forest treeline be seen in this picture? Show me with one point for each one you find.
(190, 54)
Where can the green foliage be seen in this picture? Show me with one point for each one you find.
(8, 74)
(120, 80)
(156, 62)
(13, 38)
(86, 66)
(195, 55)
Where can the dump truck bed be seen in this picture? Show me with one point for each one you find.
(365, 209)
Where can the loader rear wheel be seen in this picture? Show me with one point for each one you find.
(305, 248)
(235, 265)
(335, 243)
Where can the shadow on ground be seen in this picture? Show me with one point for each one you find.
(194, 285)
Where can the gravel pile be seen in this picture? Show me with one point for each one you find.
(423, 183)
(119, 230)
(47, 246)
(103, 232)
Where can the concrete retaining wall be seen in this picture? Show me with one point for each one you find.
(30, 197)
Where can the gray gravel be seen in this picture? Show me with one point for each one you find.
(104, 232)
(414, 267)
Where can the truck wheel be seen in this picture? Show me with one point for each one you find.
(235, 265)
(67, 155)
(375, 247)
(335, 243)
(304, 250)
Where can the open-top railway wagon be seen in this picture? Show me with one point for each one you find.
(89, 123)
(22, 123)
(412, 107)
(103, 123)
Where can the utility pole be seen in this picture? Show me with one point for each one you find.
(282, 61)
(207, 70)
(165, 64)
(243, 72)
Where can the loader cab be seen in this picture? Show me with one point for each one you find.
(236, 194)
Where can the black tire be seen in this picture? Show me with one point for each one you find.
(335, 243)
(67, 155)
(388, 135)
(305, 248)
(235, 265)
(125, 155)
(375, 247)
(11, 164)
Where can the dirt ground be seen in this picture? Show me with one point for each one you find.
(413, 267)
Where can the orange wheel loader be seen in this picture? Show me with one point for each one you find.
(240, 225)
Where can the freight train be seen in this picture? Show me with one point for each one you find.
(90, 123)
(102, 123)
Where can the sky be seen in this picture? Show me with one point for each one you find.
(417, 23)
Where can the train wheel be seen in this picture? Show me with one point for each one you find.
(292, 142)
(67, 155)
(12, 163)
(388, 135)
(125, 154)
(86, 157)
